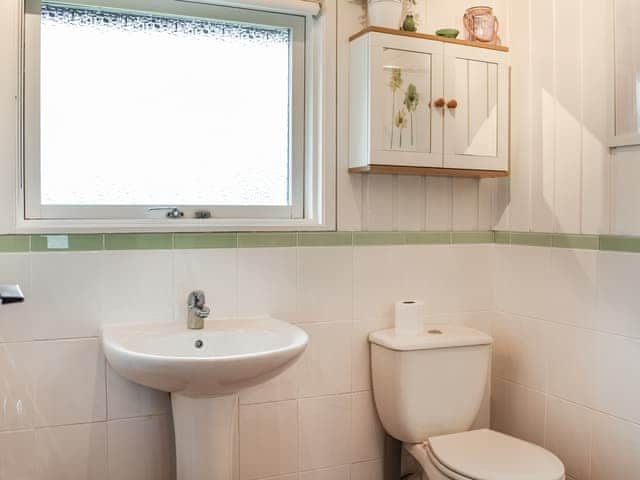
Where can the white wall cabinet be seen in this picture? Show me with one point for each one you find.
(421, 105)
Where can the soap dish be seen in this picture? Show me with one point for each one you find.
(448, 32)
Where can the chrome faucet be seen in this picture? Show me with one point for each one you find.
(197, 310)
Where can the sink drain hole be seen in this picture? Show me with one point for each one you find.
(199, 344)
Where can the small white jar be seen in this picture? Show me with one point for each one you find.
(385, 13)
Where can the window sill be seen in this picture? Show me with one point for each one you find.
(150, 226)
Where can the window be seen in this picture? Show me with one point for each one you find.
(184, 105)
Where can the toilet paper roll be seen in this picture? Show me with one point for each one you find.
(409, 317)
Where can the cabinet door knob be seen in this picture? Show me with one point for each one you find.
(452, 104)
(439, 102)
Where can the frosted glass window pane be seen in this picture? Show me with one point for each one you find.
(148, 110)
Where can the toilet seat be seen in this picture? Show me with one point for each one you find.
(488, 455)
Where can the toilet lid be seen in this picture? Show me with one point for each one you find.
(489, 455)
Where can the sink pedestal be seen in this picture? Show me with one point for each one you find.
(205, 430)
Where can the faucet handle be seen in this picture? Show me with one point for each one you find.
(196, 299)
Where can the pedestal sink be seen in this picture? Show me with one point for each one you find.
(204, 370)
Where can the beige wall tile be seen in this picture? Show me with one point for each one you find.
(141, 449)
(616, 377)
(325, 438)
(75, 451)
(519, 350)
(128, 399)
(268, 439)
(572, 292)
(570, 357)
(615, 449)
(147, 293)
(64, 380)
(325, 284)
(267, 282)
(78, 278)
(367, 433)
(325, 367)
(618, 301)
(17, 457)
(568, 435)
(517, 411)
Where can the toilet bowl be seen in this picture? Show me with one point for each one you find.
(428, 389)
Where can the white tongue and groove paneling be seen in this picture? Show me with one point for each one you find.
(521, 111)
(409, 206)
(568, 112)
(542, 121)
(563, 177)
(596, 176)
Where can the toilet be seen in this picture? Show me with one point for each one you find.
(428, 389)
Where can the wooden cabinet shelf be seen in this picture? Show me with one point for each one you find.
(428, 171)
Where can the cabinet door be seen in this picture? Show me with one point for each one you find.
(476, 125)
(406, 77)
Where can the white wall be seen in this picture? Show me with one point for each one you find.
(67, 413)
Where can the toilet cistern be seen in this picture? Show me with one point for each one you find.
(197, 310)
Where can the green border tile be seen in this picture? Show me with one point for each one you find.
(502, 238)
(67, 243)
(584, 242)
(369, 239)
(325, 239)
(472, 237)
(428, 238)
(531, 239)
(14, 243)
(267, 240)
(617, 243)
(139, 241)
(188, 241)
(166, 241)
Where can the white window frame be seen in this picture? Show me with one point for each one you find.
(318, 173)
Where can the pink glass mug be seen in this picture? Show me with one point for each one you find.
(481, 24)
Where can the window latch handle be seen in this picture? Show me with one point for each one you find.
(173, 212)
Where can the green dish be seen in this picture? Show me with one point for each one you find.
(448, 32)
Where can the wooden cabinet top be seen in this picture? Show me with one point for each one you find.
(426, 36)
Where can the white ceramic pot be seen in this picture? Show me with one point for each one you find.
(385, 13)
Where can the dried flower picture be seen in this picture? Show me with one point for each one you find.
(406, 87)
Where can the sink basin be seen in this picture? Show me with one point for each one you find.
(204, 370)
(223, 358)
